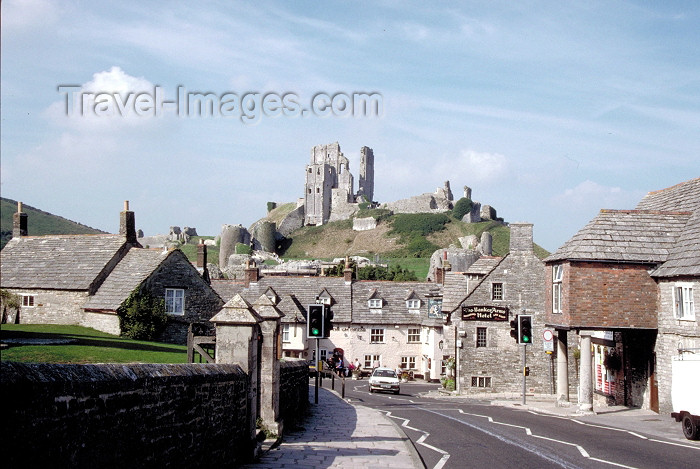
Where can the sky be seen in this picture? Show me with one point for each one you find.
(548, 111)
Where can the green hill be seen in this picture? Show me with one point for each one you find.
(39, 223)
(406, 239)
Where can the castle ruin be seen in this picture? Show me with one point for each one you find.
(329, 186)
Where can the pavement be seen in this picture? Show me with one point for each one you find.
(343, 435)
(338, 434)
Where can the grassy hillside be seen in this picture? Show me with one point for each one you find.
(39, 222)
(407, 239)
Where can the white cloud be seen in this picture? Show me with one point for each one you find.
(107, 103)
(590, 195)
(25, 15)
(479, 166)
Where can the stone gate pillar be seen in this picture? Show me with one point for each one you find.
(237, 342)
(270, 363)
(586, 373)
(562, 369)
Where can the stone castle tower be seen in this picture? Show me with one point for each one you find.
(366, 184)
(328, 187)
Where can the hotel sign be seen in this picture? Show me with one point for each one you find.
(484, 313)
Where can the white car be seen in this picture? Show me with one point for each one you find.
(384, 379)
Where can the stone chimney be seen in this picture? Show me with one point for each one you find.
(442, 268)
(127, 224)
(251, 274)
(19, 222)
(347, 272)
(202, 260)
(521, 238)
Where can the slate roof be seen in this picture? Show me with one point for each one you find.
(295, 294)
(684, 257)
(457, 287)
(133, 269)
(349, 301)
(393, 295)
(455, 290)
(681, 197)
(640, 236)
(60, 262)
(484, 265)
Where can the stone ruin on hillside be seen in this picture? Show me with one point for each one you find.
(329, 185)
(329, 195)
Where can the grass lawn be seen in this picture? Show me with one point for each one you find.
(85, 346)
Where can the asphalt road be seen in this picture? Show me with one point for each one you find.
(474, 434)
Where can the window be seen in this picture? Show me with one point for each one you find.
(175, 301)
(413, 304)
(683, 308)
(372, 361)
(375, 303)
(28, 301)
(376, 336)
(414, 335)
(557, 274)
(443, 364)
(408, 363)
(496, 291)
(481, 337)
(481, 381)
(285, 332)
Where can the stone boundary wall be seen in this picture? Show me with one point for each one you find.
(294, 391)
(117, 416)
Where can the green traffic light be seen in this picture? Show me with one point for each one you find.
(314, 331)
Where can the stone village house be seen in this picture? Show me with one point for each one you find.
(379, 322)
(480, 303)
(83, 279)
(624, 287)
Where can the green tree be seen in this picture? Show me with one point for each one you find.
(142, 316)
(462, 207)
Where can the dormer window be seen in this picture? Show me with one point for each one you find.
(375, 303)
(324, 297)
(413, 304)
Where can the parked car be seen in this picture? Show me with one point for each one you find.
(384, 379)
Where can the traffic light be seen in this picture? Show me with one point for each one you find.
(514, 328)
(314, 321)
(327, 321)
(525, 329)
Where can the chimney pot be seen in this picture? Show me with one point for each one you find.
(19, 222)
(126, 205)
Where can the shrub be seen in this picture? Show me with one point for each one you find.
(243, 249)
(142, 316)
(271, 206)
(462, 207)
(419, 223)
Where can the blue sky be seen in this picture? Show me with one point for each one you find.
(549, 111)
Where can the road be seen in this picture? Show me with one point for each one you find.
(463, 433)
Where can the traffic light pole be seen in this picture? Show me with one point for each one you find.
(318, 365)
(523, 370)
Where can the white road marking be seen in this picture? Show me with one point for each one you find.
(421, 440)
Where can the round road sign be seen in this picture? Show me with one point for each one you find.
(547, 335)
